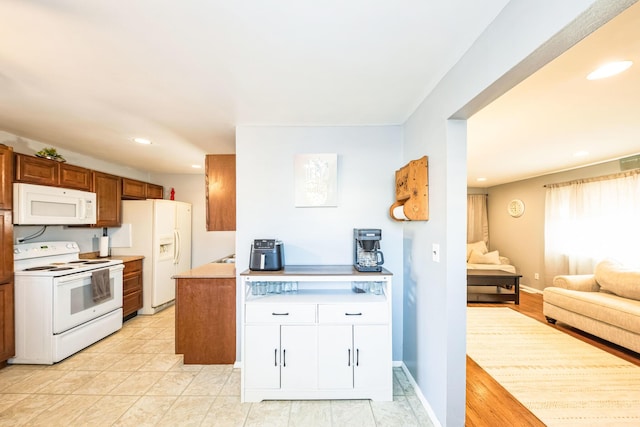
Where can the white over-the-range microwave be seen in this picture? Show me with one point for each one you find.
(44, 205)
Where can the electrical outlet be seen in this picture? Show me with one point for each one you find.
(536, 276)
(435, 251)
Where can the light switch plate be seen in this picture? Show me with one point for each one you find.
(435, 251)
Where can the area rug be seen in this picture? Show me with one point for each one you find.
(562, 380)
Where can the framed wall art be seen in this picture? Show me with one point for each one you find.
(316, 180)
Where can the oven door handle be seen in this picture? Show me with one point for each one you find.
(78, 276)
(74, 277)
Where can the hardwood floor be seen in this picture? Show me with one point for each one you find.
(488, 403)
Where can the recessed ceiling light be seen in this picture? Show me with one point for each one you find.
(142, 141)
(196, 166)
(609, 69)
(481, 179)
(581, 153)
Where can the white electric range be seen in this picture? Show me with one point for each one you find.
(62, 303)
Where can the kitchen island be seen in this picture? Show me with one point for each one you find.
(206, 314)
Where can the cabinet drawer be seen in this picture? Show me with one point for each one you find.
(131, 302)
(131, 283)
(280, 313)
(353, 313)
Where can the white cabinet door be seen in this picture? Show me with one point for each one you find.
(372, 367)
(299, 357)
(262, 356)
(335, 357)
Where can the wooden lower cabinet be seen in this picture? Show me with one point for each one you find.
(206, 320)
(131, 288)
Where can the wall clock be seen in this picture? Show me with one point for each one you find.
(516, 208)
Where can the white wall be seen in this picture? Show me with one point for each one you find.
(511, 48)
(367, 160)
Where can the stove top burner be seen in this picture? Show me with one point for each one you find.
(61, 268)
(42, 267)
(80, 261)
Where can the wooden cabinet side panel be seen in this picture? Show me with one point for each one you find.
(7, 333)
(36, 170)
(6, 177)
(206, 320)
(6, 246)
(221, 192)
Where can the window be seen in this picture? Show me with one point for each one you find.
(589, 220)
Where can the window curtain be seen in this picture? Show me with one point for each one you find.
(589, 220)
(477, 218)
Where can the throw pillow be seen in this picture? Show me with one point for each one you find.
(479, 258)
(615, 278)
(480, 246)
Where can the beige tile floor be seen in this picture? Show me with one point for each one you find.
(133, 378)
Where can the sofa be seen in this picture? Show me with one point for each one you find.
(480, 258)
(605, 304)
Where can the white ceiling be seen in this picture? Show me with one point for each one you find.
(89, 76)
(537, 127)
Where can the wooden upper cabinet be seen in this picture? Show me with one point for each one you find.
(75, 177)
(133, 189)
(6, 177)
(138, 190)
(155, 191)
(220, 178)
(36, 170)
(108, 194)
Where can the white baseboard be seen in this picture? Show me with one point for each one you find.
(423, 400)
(530, 290)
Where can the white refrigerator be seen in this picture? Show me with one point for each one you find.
(160, 230)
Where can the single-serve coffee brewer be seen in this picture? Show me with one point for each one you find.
(366, 249)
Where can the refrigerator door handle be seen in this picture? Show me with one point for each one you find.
(176, 249)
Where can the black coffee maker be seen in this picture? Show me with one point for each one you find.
(366, 249)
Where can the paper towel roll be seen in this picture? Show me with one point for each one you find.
(398, 213)
(104, 246)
